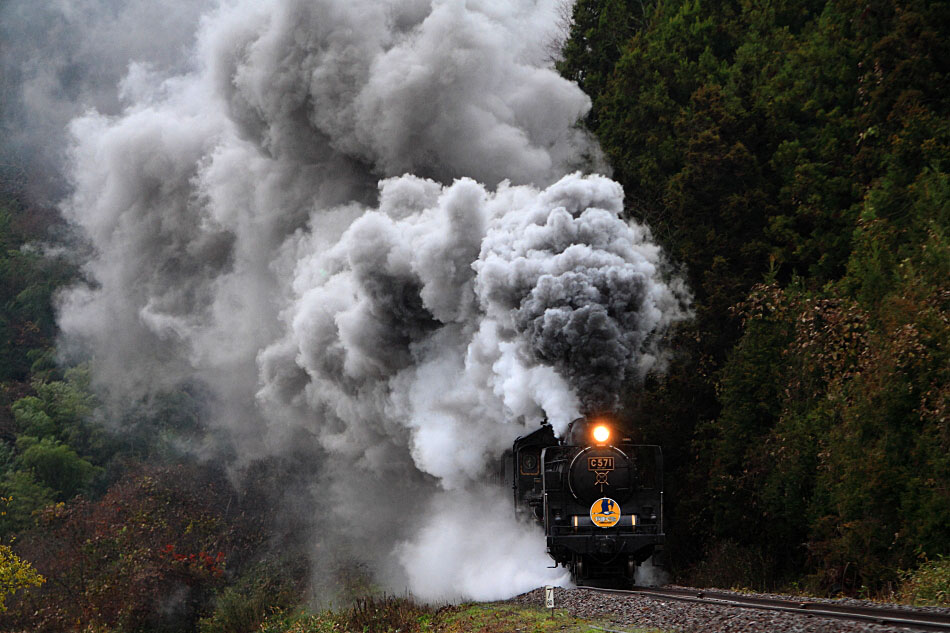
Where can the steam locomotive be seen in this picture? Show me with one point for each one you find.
(598, 496)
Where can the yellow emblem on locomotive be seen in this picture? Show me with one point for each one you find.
(605, 512)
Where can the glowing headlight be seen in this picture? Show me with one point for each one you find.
(601, 433)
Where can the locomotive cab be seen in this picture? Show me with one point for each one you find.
(523, 468)
(598, 496)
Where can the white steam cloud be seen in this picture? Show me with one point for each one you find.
(490, 558)
(256, 229)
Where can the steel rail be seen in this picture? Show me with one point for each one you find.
(921, 620)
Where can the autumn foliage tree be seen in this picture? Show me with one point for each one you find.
(148, 554)
(15, 574)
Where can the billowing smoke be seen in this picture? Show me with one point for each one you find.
(363, 227)
(582, 289)
(58, 59)
(450, 311)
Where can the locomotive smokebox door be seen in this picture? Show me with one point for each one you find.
(601, 471)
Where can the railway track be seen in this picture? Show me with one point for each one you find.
(890, 616)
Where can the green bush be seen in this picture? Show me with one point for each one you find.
(21, 496)
(265, 589)
(929, 584)
(55, 465)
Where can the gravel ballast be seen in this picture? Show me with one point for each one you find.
(685, 617)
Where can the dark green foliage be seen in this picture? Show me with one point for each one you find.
(22, 497)
(62, 410)
(54, 465)
(28, 280)
(49, 437)
(805, 144)
(600, 30)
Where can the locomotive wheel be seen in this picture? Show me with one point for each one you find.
(631, 571)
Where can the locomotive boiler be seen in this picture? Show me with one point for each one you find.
(598, 495)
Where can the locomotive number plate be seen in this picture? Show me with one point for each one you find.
(600, 463)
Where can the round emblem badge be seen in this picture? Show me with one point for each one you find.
(605, 512)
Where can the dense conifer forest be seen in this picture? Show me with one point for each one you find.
(793, 158)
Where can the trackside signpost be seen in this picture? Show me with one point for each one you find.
(549, 598)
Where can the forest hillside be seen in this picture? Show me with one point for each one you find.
(794, 158)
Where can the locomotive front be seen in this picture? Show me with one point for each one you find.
(598, 496)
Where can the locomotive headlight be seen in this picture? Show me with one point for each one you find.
(601, 433)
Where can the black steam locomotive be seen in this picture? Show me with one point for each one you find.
(598, 496)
